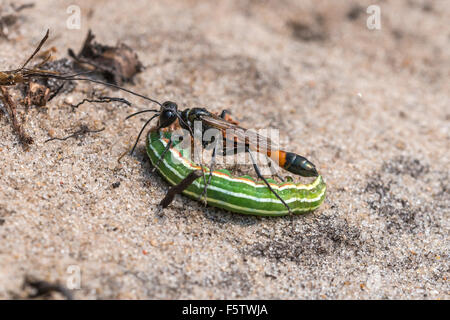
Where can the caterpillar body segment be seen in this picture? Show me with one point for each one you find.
(237, 194)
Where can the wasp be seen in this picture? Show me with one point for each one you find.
(233, 135)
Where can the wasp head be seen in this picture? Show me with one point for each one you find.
(168, 114)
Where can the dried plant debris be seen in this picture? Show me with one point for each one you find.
(83, 130)
(102, 99)
(40, 90)
(309, 30)
(355, 12)
(24, 74)
(11, 108)
(61, 66)
(117, 64)
(43, 81)
(37, 85)
(50, 74)
(10, 18)
(44, 289)
(37, 94)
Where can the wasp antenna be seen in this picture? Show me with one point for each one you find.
(139, 112)
(142, 130)
(115, 86)
(44, 74)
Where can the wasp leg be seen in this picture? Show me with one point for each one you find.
(204, 194)
(211, 169)
(232, 151)
(169, 144)
(224, 113)
(275, 172)
(204, 178)
(258, 173)
(235, 150)
(179, 188)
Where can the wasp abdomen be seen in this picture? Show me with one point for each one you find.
(299, 165)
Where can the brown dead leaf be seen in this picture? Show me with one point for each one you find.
(117, 64)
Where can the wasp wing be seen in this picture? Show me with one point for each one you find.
(236, 134)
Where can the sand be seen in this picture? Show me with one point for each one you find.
(369, 107)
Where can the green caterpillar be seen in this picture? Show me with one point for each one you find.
(237, 194)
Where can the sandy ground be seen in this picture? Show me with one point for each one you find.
(369, 107)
